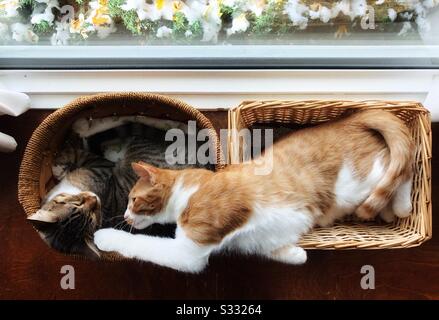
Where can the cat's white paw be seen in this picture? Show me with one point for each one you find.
(291, 254)
(297, 255)
(402, 207)
(110, 239)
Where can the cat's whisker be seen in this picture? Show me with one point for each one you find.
(115, 217)
(121, 224)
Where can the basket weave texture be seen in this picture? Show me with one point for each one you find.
(351, 234)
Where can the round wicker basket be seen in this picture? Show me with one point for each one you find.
(403, 233)
(35, 176)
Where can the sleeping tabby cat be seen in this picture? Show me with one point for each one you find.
(93, 191)
(362, 164)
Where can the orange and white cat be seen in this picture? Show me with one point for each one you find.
(361, 164)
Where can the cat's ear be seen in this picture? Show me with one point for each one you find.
(146, 171)
(42, 219)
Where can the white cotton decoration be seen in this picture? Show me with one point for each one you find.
(41, 14)
(296, 13)
(430, 3)
(104, 31)
(378, 2)
(239, 24)
(406, 27)
(343, 7)
(359, 8)
(420, 10)
(212, 21)
(325, 14)
(23, 33)
(163, 32)
(314, 15)
(4, 32)
(423, 25)
(392, 14)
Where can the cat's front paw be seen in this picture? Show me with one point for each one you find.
(110, 239)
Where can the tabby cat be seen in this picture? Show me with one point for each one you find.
(95, 180)
(361, 164)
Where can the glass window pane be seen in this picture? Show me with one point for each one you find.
(219, 33)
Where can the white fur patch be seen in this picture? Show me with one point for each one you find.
(64, 186)
(268, 229)
(350, 191)
(402, 201)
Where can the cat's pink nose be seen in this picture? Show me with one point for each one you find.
(126, 214)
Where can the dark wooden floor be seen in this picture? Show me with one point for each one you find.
(29, 269)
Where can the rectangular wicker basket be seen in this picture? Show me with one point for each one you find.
(352, 234)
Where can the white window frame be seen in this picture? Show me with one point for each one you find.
(222, 89)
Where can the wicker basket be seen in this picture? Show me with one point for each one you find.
(35, 177)
(403, 233)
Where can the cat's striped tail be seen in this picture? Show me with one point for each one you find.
(399, 171)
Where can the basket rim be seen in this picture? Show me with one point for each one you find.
(324, 103)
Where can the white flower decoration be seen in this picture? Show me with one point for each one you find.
(343, 7)
(193, 10)
(239, 24)
(8, 8)
(4, 32)
(321, 13)
(157, 10)
(80, 26)
(211, 21)
(100, 19)
(392, 14)
(296, 12)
